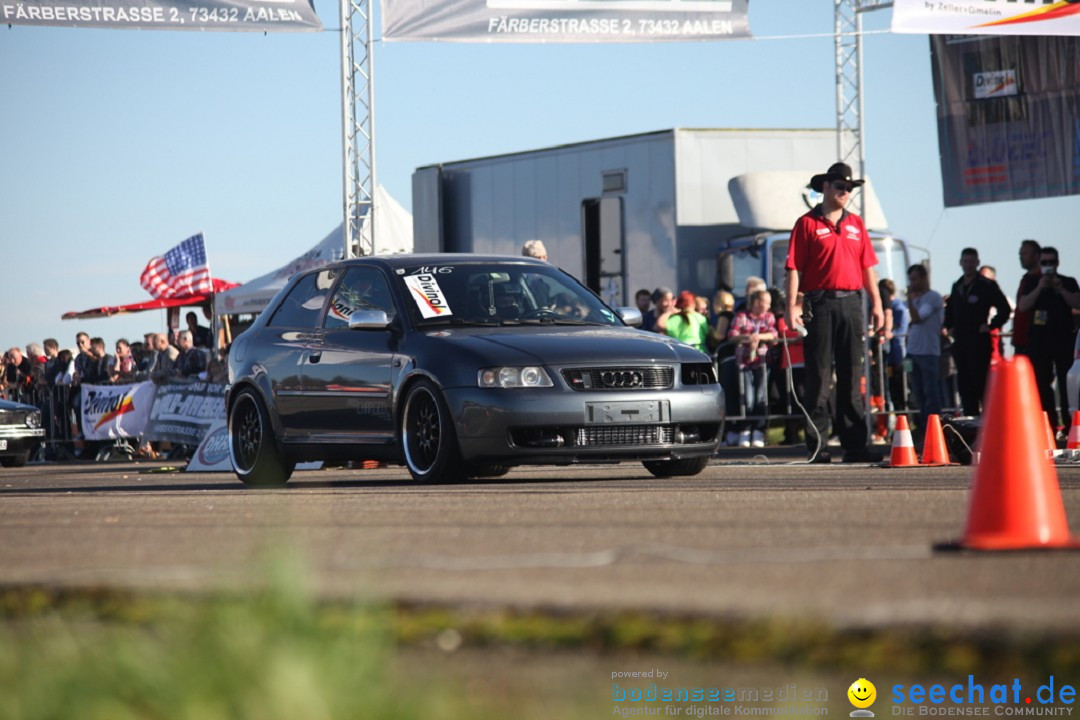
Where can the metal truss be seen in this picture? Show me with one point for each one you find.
(850, 129)
(358, 127)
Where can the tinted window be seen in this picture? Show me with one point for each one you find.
(482, 293)
(301, 307)
(362, 288)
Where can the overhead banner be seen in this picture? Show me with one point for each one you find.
(547, 21)
(116, 411)
(1008, 117)
(260, 15)
(987, 17)
(183, 412)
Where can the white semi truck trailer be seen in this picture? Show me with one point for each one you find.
(689, 209)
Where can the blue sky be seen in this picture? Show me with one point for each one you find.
(120, 144)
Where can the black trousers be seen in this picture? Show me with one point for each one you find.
(836, 334)
(1048, 363)
(971, 353)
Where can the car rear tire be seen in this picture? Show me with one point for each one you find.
(15, 460)
(428, 436)
(252, 447)
(676, 468)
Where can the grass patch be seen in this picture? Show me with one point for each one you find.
(278, 653)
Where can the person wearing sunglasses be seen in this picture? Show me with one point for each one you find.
(831, 262)
(1051, 333)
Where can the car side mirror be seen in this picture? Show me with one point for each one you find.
(369, 320)
(631, 316)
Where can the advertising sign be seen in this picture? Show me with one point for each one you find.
(987, 17)
(525, 21)
(116, 411)
(260, 15)
(212, 455)
(184, 412)
(1008, 116)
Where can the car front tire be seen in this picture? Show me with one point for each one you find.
(252, 447)
(676, 468)
(428, 437)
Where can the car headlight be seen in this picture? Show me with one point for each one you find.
(513, 377)
(33, 420)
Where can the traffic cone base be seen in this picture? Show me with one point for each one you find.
(935, 451)
(1051, 443)
(903, 449)
(1074, 433)
(1015, 499)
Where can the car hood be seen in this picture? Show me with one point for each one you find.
(563, 345)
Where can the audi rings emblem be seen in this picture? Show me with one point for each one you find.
(622, 378)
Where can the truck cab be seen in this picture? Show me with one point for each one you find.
(773, 201)
(764, 255)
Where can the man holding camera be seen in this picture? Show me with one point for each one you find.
(1051, 333)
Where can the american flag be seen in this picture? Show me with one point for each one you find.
(181, 271)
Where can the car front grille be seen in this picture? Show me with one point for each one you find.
(625, 435)
(650, 377)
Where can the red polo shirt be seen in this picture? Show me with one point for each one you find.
(827, 256)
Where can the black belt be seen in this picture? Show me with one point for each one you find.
(830, 294)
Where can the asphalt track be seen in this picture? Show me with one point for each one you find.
(748, 538)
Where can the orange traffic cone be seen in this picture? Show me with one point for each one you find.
(935, 451)
(1051, 442)
(1074, 433)
(1015, 499)
(903, 449)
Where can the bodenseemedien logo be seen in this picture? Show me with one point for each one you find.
(862, 695)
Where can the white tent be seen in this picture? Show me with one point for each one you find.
(393, 234)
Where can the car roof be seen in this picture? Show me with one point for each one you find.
(412, 260)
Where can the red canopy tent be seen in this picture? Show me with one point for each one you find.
(156, 304)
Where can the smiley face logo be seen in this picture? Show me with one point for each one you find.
(862, 693)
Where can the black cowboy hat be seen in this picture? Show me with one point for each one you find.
(836, 171)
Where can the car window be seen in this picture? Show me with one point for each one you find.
(487, 293)
(362, 288)
(302, 306)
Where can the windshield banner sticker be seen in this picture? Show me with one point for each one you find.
(428, 295)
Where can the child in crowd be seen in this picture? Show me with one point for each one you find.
(752, 331)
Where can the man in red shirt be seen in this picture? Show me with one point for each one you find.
(830, 259)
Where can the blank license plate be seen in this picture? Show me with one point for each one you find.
(652, 411)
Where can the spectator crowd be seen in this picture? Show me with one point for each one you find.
(933, 355)
(51, 377)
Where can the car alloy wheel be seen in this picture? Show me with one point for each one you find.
(428, 438)
(252, 446)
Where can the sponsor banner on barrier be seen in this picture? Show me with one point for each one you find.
(212, 455)
(986, 17)
(184, 412)
(1008, 117)
(527, 21)
(116, 411)
(260, 15)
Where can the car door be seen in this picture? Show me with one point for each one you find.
(287, 345)
(347, 374)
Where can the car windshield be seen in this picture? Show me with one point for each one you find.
(499, 294)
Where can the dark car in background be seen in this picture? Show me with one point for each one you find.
(20, 432)
(462, 366)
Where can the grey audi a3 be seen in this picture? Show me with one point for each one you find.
(462, 366)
